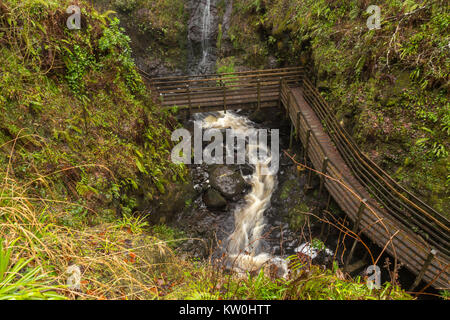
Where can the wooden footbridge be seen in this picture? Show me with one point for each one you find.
(407, 228)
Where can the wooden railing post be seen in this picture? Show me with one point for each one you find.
(189, 99)
(259, 93)
(291, 136)
(305, 156)
(279, 91)
(362, 206)
(328, 202)
(308, 181)
(425, 266)
(322, 228)
(288, 101)
(322, 176)
(308, 137)
(224, 97)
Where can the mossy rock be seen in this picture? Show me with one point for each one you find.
(214, 200)
(297, 216)
(287, 188)
(172, 202)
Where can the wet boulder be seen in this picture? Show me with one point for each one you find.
(246, 169)
(227, 181)
(258, 116)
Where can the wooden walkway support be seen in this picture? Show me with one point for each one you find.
(389, 215)
(241, 90)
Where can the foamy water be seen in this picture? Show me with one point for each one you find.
(206, 25)
(244, 246)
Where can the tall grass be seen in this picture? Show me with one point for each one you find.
(19, 281)
(121, 260)
(117, 260)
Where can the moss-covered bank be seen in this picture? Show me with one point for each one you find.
(389, 87)
(158, 32)
(84, 149)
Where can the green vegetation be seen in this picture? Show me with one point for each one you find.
(297, 215)
(82, 149)
(75, 111)
(298, 211)
(332, 285)
(117, 260)
(158, 30)
(121, 260)
(226, 66)
(308, 283)
(171, 236)
(389, 87)
(20, 281)
(85, 164)
(445, 294)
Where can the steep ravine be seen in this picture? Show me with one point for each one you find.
(284, 214)
(259, 223)
(270, 217)
(88, 172)
(243, 242)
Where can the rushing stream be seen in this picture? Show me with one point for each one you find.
(244, 247)
(263, 228)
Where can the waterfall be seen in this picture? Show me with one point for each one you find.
(202, 29)
(206, 30)
(244, 246)
(206, 24)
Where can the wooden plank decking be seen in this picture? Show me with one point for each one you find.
(390, 216)
(375, 222)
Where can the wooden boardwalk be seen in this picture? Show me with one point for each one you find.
(389, 215)
(244, 90)
(411, 249)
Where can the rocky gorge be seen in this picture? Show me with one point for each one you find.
(93, 205)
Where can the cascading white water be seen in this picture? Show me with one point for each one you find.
(244, 250)
(206, 23)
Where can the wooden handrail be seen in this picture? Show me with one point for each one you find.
(221, 74)
(361, 156)
(426, 226)
(174, 83)
(344, 142)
